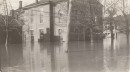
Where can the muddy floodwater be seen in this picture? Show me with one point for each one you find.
(100, 56)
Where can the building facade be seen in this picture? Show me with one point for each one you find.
(44, 20)
(58, 19)
(85, 15)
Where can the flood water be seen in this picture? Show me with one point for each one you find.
(99, 56)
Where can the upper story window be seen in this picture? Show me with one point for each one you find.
(31, 16)
(41, 18)
(60, 15)
(95, 18)
(41, 14)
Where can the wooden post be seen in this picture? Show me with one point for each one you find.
(51, 21)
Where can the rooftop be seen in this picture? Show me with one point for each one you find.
(41, 2)
(45, 2)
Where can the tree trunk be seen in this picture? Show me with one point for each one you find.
(111, 27)
(126, 20)
(127, 26)
(91, 39)
(91, 35)
(127, 30)
(0, 60)
(127, 38)
(6, 42)
(111, 30)
(84, 34)
(68, 20)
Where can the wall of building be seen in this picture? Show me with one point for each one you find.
(80, 14)
(36, 20)
(60, 23)
(83, 14)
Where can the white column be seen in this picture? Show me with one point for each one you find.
(68, 21)
(36, 36)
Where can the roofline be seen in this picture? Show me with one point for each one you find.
(39, 4)
(61, 1)
(35, 5)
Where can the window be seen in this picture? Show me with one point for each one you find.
(32, 33)
(41, 33)
(59, 31)
(41, 18)
(95, 18)
(31, 16)
(59, 15)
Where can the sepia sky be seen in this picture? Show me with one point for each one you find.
(14, 4)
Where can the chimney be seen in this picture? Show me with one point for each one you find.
(12, 12)
(20, 4)
(36, 1)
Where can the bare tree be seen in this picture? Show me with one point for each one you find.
(126, 20)
(6, 24)
(125, 14)
(110, 10)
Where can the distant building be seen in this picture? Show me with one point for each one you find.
(43, 19)
(48, 20)
(85, 15)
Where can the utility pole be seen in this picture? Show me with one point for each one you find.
(68, 19)
(51, 21)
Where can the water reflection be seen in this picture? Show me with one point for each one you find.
(45, 57)
(116, 54)
(100, 56)
(82, 58)
(61, 57)
(32, 57)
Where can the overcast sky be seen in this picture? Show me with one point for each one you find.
(15, 3)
